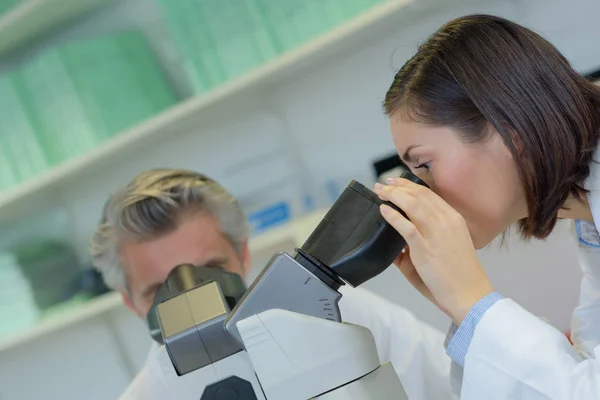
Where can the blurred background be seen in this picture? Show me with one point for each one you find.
(278, 100)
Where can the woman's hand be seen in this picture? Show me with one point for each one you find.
(440, 261)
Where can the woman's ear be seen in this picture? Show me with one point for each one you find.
(512, 141)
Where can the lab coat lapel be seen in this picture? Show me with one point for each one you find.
(585, 322)
(592, 184)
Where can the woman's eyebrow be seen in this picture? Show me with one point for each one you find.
(406, 157)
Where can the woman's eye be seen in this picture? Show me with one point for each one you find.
(423, 166)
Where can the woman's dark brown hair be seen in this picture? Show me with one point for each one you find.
(482, 70)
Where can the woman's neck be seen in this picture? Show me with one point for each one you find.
(576, 209)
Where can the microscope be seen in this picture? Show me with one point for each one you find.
(283, 338)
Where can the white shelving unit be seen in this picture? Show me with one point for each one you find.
(296, 231)
(92, 309)
(343, 38)
(33, 18)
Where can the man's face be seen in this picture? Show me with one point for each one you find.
(197, 241)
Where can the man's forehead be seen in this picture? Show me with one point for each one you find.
(140, 258)
(147, 288)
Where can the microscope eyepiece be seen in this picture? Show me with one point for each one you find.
(353, 239)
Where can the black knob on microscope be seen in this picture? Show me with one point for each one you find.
(232, 388)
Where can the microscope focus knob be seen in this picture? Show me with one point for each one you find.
(232, 388)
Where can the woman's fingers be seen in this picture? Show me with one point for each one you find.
(414, 203)
(422, 206)
(405, 265)
(406, 228)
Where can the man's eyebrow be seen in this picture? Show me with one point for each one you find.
(216, 262)
(406, 157)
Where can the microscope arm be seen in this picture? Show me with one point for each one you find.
(300, 357)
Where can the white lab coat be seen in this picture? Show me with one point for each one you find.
(516, 355)
(415, 349)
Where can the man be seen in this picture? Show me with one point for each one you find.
(168, 217)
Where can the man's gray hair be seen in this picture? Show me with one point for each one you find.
(151, 205)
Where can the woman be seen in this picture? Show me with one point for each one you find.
(504, 131)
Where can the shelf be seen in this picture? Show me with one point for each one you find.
(297, 230)
(33, 18)
(341, 40)
(89, 310)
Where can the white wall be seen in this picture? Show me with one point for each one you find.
(333, 107)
